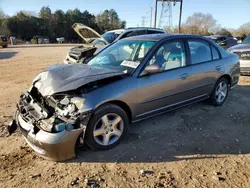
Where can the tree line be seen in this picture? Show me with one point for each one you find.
(205, 24)
(25, 25)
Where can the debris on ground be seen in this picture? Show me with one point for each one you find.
(35, 176)
(74, 181)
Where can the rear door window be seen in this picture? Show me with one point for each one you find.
(200, 51)
(215, 53)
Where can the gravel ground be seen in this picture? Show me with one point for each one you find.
(196, 146)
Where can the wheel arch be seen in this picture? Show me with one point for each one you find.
(122, 105)
(228, 77)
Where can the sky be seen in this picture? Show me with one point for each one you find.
(228, 13)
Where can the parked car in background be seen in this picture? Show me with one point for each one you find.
(60, 39)
(43, 40)
(224, 41)
(131, 80)
(96, 42)
(3, 41)
(243, 51)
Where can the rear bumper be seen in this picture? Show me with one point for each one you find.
(245, 67)
(53, 146)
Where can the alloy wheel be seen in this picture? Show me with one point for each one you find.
(221, 92)
(108, 129)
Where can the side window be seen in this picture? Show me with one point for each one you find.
(215, 53)
(135, 33)
(170, 55)
(200, 51)
(154, 32)
(126, 34)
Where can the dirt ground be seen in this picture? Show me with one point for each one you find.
(196, 146)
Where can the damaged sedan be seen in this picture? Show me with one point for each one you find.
(133, 79)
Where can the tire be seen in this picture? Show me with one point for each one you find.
(220, 92)
(102, 130)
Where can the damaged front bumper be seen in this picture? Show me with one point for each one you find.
(53, 146)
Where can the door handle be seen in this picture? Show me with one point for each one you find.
(184, 76)
(218, 68)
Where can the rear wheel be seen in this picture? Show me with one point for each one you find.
(220, 92)
(106, 127)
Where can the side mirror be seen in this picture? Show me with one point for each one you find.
(239, 41)
(152, 69)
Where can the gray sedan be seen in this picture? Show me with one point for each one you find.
(131, 80)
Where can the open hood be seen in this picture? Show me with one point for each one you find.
(86, 33)
(61, 78)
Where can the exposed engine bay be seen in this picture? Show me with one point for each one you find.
(80, 54)
(53, 113)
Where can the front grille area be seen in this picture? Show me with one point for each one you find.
(243, 55)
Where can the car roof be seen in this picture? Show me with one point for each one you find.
(143, 28)
(158, 37)
(118, 31)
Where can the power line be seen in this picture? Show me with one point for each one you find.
(143, 21)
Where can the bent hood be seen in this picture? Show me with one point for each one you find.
(240, 47)
(61, 78)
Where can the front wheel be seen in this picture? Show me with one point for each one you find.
(106, 127)
(220, 92)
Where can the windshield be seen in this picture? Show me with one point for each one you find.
(124, 55)
(246, 40)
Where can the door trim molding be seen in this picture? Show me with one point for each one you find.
(175, 104)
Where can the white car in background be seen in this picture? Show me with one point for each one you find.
(94, 42)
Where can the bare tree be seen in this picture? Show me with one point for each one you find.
(200, 23)
(244, 29)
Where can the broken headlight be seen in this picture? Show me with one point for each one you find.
(63, 126)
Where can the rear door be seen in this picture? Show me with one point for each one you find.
(206, 66)
(160, 91)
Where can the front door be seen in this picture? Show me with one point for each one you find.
(171, 86)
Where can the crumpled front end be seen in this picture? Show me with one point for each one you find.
(52, 125)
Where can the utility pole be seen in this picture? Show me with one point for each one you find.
(143, 21)
(151, 14)
(155, 18)
(169, 1)
(179, 28)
